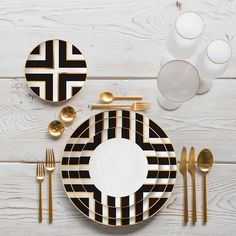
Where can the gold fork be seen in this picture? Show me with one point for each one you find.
(50, 166)
(40, 174)
(136, 106)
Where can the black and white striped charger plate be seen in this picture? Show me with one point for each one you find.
(97, 216)
(122, 122)
(153, 131)
(172, 161)
(129, 213)
(55, 70)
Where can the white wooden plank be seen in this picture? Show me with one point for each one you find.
(205, 121)
(118, 38)
(18, 203)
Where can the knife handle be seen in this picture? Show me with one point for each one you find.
(185, 200)
(194, 211)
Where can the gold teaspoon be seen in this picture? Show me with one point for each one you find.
(108, 97)
(205, 162)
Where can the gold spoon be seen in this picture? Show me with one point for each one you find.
(205, 162)
(108, 97)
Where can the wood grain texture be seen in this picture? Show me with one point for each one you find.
(18, 204)
(118, 38)
(205, 121)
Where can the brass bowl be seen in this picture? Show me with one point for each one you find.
(56, 128)
(68, 114)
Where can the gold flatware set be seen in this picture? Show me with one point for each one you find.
(49, 165)
(204, 162)
(68, 113)
(107, 98)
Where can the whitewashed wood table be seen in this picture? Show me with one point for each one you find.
(123, 43)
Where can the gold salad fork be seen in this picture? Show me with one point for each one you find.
(50, 166)
(136, 106)
(40, 174)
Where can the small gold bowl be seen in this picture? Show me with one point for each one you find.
(68, 114)
(56, 128)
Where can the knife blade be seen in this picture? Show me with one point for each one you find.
(191, 169)
(183, 163)
(183, 170)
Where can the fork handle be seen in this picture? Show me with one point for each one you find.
(98, 106)
(50, 209)
(40, 217)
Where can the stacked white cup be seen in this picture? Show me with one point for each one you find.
(179, 80)
(212, 62)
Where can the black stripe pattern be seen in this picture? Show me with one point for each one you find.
(149, 199)
(55, 70)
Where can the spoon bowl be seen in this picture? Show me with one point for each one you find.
(106, 97)
(205, 161)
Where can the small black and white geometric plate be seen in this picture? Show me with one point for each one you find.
(153, 202)
(55, 70)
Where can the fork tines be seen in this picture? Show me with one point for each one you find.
(40, 170)
(141, 105)
(50, 158)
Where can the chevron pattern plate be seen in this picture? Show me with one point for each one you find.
(55, 70)
(110, 210)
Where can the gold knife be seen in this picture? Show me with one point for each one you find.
(183, 170)
(191, 169)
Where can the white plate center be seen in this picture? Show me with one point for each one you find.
(118, 167)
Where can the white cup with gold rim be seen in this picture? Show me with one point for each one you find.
(212, 62)
(185, 37)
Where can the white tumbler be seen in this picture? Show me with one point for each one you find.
(186, 35)
(212, 62)
(177, 82)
